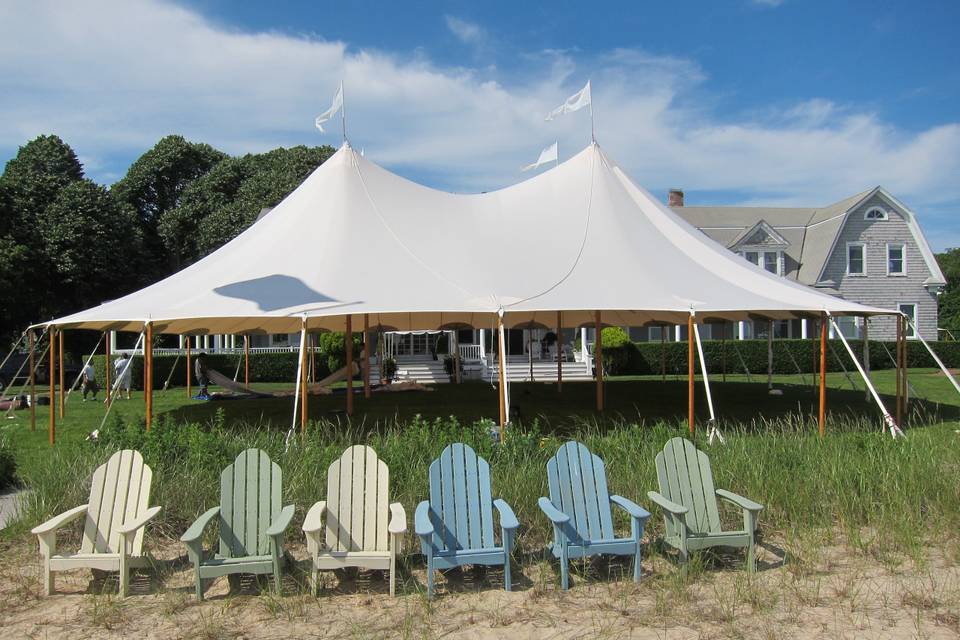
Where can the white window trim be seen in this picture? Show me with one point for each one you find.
(903, 260)
(863, 253)
(884, 214)
(915, 309)
(761, 258)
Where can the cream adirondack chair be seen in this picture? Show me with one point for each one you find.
(115, 517)
(350, 528)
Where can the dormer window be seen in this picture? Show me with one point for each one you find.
(876, 213)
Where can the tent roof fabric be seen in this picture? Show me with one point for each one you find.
(355, 239)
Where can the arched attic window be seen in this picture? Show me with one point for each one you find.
(876, 213)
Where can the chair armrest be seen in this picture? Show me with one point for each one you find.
(314, 520)
(421, 520)
(196, 529)
(635, 510)
(278, 526)
(56, 522)
(508, 520)
(398, 519)
(556, 516)
(667, 505)
(740, 501)
(145, 517)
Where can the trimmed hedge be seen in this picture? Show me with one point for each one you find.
(639, 358)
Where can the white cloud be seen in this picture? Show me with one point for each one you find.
(112, 77)
(466, 32)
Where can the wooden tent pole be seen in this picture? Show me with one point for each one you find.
(33, 382)
(189, 372)
(366, 356)
(899, 372)
(312, 343)
(502, 386)
(148, 373)
(906, 384)
(63, 405)
(456, 355)
(52, 433)
(690, 389)
(598, 359)
(106, 365)
(348, 346)
(246, 360)
(303, 379)
(559, 351)
(866, 354)
(822, 413)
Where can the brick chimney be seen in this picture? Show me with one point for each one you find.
(675, 198)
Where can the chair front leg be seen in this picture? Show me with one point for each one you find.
(430, 576)
(275, 547)
(48, 547)
(124, 566)
(750, 526)
(636, 528)
(564, 568)
(195, 553)
(507, 537)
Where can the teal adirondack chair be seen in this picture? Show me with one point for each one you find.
(580, 509)
(689, 503)
(251, 522)
(455, 525)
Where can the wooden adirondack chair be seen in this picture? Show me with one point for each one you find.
(354, 517)
(455, 525)
(115, 517)
(689, 503)
(251, 522)
(580, 509)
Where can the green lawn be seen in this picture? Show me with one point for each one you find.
(628, 399)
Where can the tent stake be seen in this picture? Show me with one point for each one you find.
(33, 382)
(822, 414)
(690, 371)
(148, 373)
(366, 356)
(63, 405)
(348, 346)
(559, 352)
(598, 359)
(52, 432)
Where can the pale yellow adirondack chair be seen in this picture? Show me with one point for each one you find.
(350, 528)
(115, 519)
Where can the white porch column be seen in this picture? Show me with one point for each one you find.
(483, 344)
(583, 342)
(113, 342)
(676, 333)
(741, 329)
(803, 329)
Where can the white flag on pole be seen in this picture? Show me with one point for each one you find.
(332, 111)
(547, 155)
(577, 101)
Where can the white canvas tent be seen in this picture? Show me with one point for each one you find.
(357, 239)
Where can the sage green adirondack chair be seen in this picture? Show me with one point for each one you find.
(689, 503)
(349, 528)
(116, 515)
(251, 522)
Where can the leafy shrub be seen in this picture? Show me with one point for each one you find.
(8, 463)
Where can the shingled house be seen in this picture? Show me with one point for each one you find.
(868, 248)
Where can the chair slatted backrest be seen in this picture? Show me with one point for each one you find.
(685, 478)
(119, 492)
(578, 487)
(250, 491)
(461, 504)
(357, 501)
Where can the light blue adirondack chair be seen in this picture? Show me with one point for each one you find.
(689, 503)
(455, 525)
(251, 522)
(579, 508)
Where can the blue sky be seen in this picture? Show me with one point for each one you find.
(786, 102)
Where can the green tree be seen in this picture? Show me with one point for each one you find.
(949, 301)
(154, 184)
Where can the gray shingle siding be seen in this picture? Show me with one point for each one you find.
(876, 288)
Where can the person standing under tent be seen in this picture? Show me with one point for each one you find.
(123, 373)
(203, 379)
(89, 382)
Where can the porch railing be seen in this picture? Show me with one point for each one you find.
(471, 352)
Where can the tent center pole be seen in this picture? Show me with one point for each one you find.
(106, 366)
(63, 405)
(306, 339)
(348, 347)
(189, 372)
(52, 431)
(598, 359)
(690, 366)
(822, 413)
(502, 386)
(866, 354)
(33, 382)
